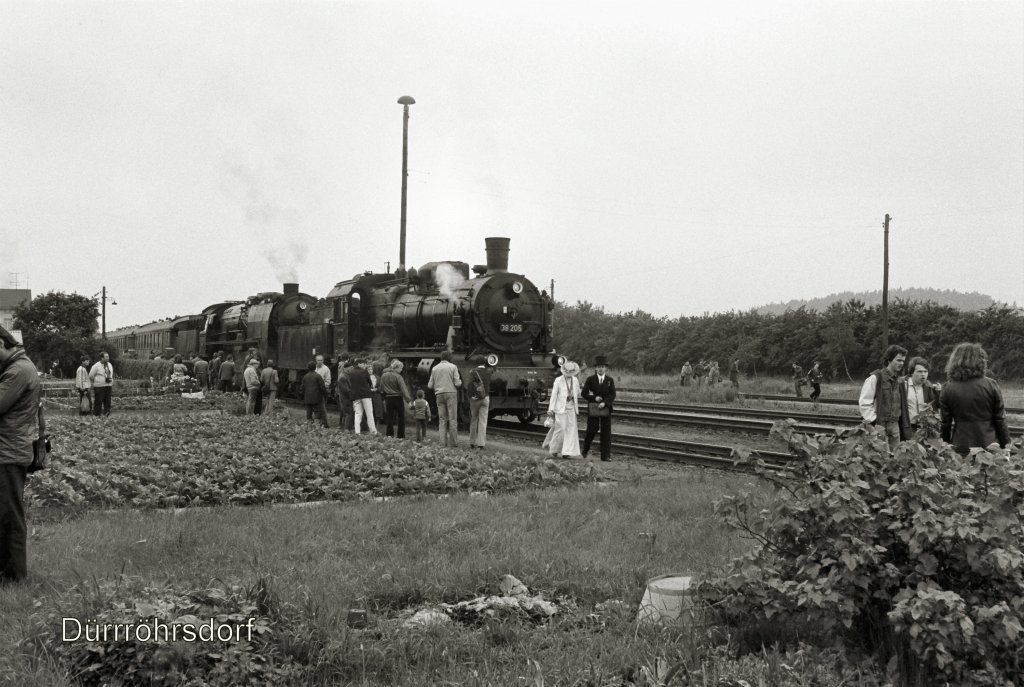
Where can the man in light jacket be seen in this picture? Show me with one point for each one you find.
(251, 382)
(445, 382)
(102, 377)
(269, 380)
(83, 386)
(19, 427)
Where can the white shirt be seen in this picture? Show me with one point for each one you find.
(102, 374)
(324, 372)
(915, 400)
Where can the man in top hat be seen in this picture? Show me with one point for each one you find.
(599, 392)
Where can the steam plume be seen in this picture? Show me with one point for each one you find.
(448, 279)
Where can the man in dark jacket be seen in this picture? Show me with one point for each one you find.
(396, 397)
(917, 394)
(599, 392)
(19, 427)
(314, 394)
(344, 394)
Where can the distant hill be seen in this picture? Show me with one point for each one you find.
(961, 301)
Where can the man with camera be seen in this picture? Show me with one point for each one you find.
(599, 392)
(19, 427)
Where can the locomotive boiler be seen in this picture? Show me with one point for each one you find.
(413, 315)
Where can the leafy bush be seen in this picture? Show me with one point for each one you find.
(914, 558)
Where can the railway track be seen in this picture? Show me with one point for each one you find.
(667, 450)
(742, 419)
(830, 401)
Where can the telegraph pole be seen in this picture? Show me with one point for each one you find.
(103, 309)
(885, 287)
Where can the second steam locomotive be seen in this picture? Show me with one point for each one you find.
(410, 315)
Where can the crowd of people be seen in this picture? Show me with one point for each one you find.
(707, 373)
(969, 405)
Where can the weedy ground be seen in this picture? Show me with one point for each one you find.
(588, 545)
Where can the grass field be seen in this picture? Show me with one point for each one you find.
(299, 570)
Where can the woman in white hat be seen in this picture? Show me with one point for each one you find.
(563, 438)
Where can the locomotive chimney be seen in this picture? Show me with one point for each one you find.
(291, 288)
(497, 254)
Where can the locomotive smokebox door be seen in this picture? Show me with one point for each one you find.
(423, 370)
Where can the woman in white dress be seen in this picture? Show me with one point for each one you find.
(563, 438)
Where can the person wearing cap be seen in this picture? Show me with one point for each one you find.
(251, 383)
(445, 382)
(102, 377)
(599, 392)
(564, 436)
(19, 427)
(479, 387)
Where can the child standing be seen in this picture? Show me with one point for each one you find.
(421, 411)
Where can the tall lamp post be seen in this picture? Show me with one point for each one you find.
(103, 308)
(405, 101)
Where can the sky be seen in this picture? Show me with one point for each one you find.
(672, 157)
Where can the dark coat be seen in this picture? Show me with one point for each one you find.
(930, 397)
(344, 388)
(314, 391)
(19, 409)
(591, 390)
(359, 380)
(973, 415)
(481, 386)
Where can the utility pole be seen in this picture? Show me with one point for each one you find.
(103, 309)
(885, 287)
(405, 101)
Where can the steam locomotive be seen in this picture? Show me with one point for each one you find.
(411, 315)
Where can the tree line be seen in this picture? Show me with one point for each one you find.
(846, 338)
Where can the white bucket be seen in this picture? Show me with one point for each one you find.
(667, 600)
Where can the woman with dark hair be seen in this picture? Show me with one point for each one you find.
(973, 415)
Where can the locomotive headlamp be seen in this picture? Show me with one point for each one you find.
(492, 359)
(517, 287)
(303, 306)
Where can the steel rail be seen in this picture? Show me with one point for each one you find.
(668, 450)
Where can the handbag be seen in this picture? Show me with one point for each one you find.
(85, 404)
(594, 410)
(40, 447)
(477, 388)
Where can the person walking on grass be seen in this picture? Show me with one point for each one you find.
(734, 374)
(814, 379)
(686, 374)
(20, 391)
(214, 381)
(445, 382)
(201, 369)
(314, 394)
(563, 438)
(880, 396)
(798, 380)
(421, 414)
